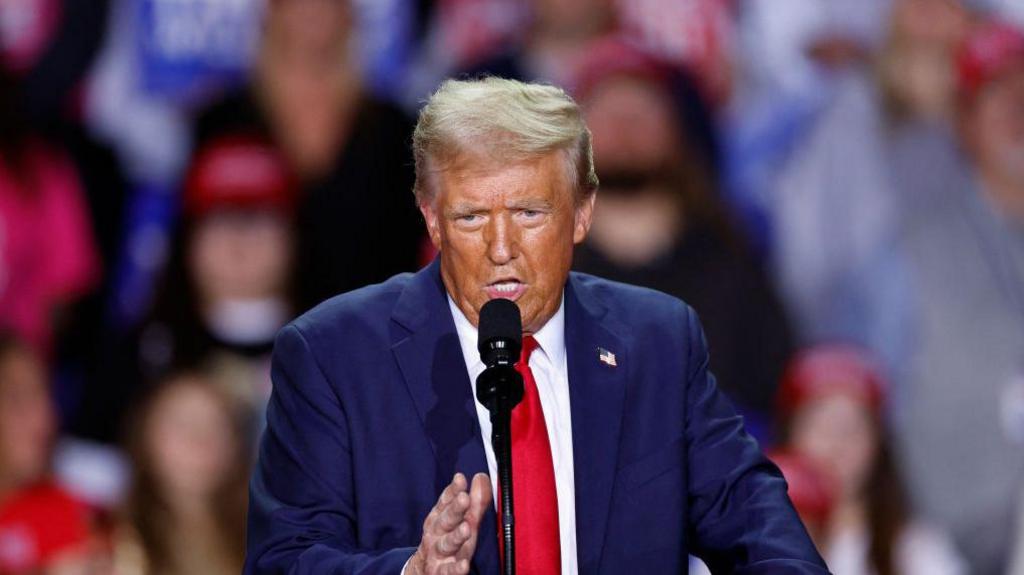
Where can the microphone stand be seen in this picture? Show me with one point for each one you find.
(500, 388)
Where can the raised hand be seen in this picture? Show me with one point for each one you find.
(451, 530)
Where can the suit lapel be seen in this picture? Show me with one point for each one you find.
(597, 390)
(426, 347)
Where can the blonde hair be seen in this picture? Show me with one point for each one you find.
(503, 121)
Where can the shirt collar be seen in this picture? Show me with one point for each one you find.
(550, 337)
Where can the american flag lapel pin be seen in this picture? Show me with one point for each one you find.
(606, 357)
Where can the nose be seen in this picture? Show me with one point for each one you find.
(502, 244)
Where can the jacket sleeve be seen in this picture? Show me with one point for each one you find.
(301, 501)
(741, 519)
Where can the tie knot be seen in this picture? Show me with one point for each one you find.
(529, 344)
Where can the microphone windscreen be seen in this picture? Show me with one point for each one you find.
(499, 318)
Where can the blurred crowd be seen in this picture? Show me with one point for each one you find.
(836, 186)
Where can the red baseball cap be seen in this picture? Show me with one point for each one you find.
(992, 49)
(238, 171)
(830, 369)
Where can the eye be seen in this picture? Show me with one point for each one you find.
(532, 215)
(468, 221)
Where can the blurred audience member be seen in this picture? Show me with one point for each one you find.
(830, 402)
(839, 202)
(556, 40)
(47, 254)
(227, 290)
(357, 220)
(43, 529)
(961, 424)
(660, 222)
(186, 510)
(793, 56)
(992, 121)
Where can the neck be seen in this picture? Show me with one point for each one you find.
(850, 514)
(192, 510)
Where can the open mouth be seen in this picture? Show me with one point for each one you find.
(506, 288)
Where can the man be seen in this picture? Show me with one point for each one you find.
(961, 410)
(635, 458)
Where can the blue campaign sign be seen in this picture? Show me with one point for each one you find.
(188, 46)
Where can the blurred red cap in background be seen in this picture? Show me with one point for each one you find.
(991, 50)
(238, 171)
(831, 369)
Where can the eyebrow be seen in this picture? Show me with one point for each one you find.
(530, 205)
(468, 208)
(465, 208)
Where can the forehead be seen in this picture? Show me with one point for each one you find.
(475, 180)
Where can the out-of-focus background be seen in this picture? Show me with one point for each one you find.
(837, 187)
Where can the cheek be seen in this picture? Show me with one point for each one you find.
(271, 247)
(839, 441)
(190, 457)
(466, 249)
(814, 436)
(206, 255)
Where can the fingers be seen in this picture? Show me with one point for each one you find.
(450, 543)
(452, 515)
(450, 494)
(480, 501)
(449, 535)
(460, 567)
(458, 485)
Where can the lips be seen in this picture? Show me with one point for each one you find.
(510, 289)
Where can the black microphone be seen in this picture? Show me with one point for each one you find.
(500, 388)
(499, 341)
(501, 332)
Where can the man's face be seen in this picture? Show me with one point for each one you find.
(507, 232)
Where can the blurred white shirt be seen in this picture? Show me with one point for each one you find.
(920, 550)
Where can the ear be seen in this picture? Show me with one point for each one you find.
(430, 216)
(584, 216)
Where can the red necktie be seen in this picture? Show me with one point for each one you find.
(538, 548)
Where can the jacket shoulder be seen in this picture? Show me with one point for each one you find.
(632, 305)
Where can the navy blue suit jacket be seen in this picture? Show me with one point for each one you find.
(372, 413)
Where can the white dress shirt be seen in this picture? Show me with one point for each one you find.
(550, 370)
